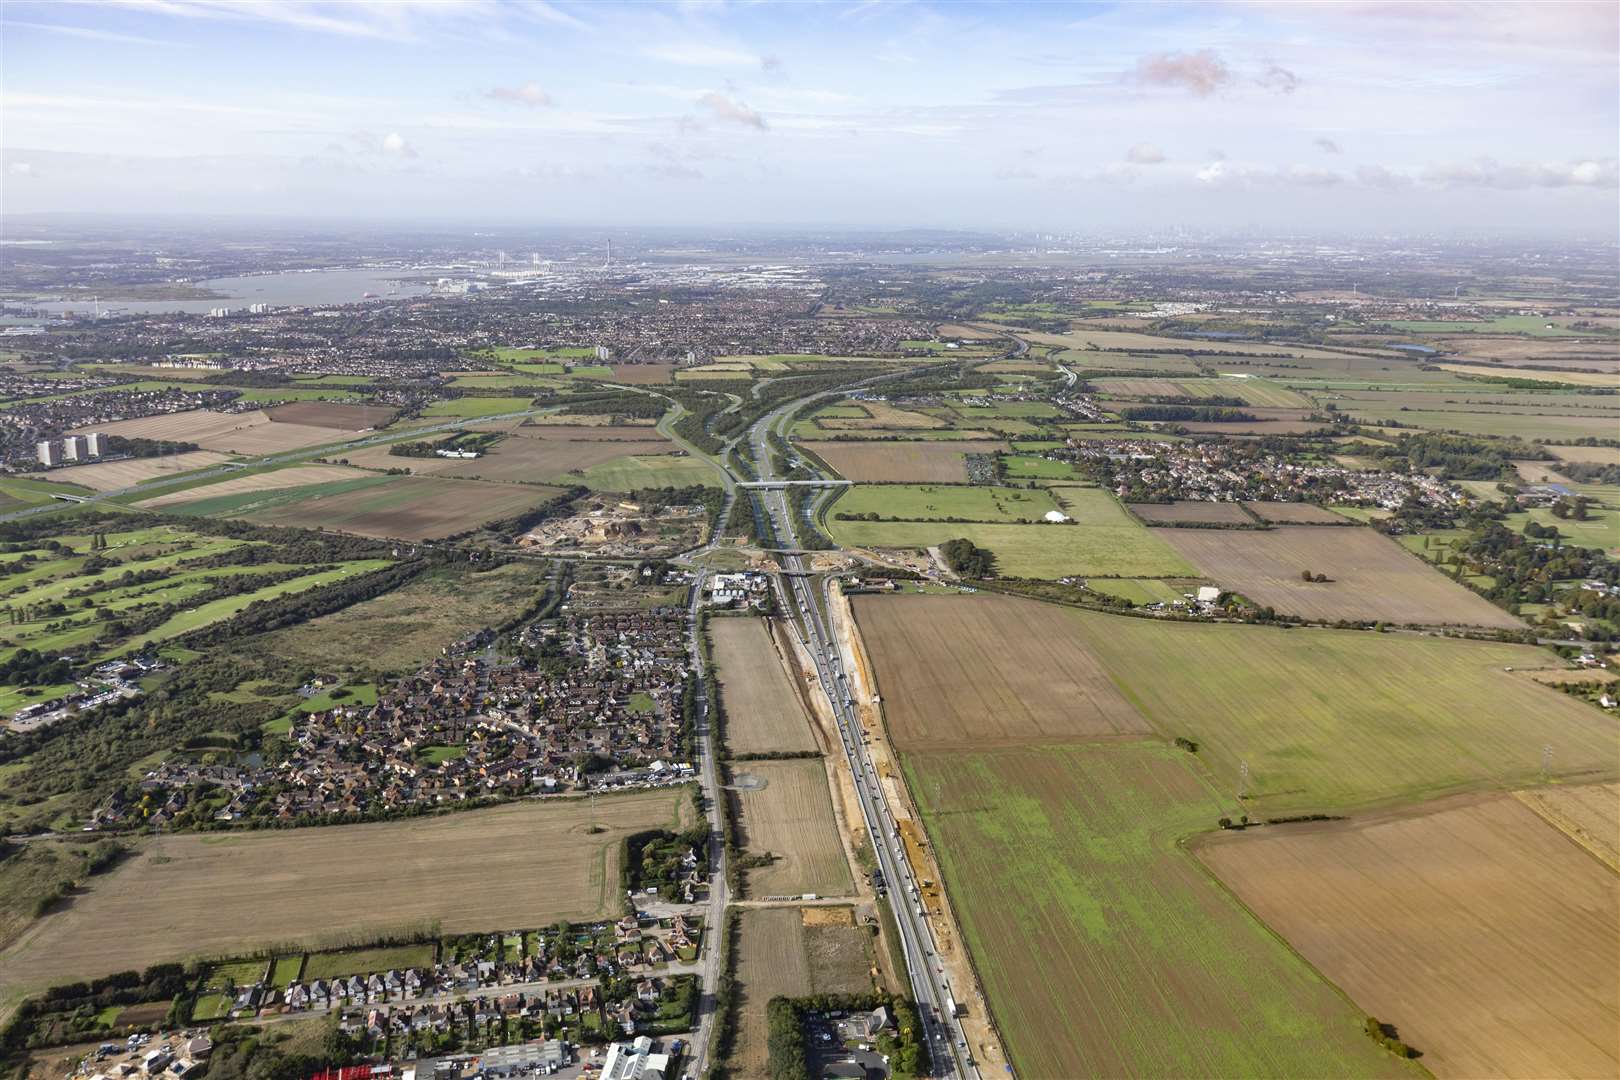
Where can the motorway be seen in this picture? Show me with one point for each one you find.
(947, 1042)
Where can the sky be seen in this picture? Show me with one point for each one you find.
(1361, 117)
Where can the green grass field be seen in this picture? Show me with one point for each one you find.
(1143, 590)
(506, 354)
(1534, 325)
(1025, 410)
(1601, 529)
(359, 695)
(84, 620)
(1034, 551)
(498, 381)
(334, 380)
(1514, 425)
(476, 406)
(286, 969)
(17, 492)
(1103, 540)
(216, 610)
(1021, 467)
(247, 502)
(1333, 719)
(652, 471)
(934, 502)
(1104, 948)
(365, 961)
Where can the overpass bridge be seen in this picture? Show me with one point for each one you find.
(778, 485)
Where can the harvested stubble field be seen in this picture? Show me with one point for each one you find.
(328, 414)
(206, 894)
(1489, 940)
(1252, 427)
(112, 475)
(239, 433)
(1598, 455)
(1371, 578)
(1202, 513)
(1104, 949)
(959, 671)
(590, 429)
(879, 414)
(1572, 378)
(1325, 719)
(787, 810)
(524, 459)
(398, 507)
(399, 630)
(1508, 425)
(763, 709)
(1252, 391)
(1588, 814)
(780, 955)
(1125, 339)
(295, 476)
(916, 461)
(1292, 513)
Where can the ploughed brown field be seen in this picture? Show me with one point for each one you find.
(1370, 577)
(1486, 937)
(240, 433)
(330, 414)
(922, 461)
(792, 952)
(1176, 513)
(1291, 513)
(791, 817)
(960, 671)
(205, 894)
(763, 710)
(642, 374)
(408, 507)
(112, 475)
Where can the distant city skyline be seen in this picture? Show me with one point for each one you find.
(1351, 117)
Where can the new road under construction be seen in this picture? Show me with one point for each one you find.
(806, 597)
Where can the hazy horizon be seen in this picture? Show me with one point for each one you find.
(1348, 119)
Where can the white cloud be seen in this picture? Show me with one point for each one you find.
(1515, 176)
(396, 145)
(21, 168)
(528, 94)
(1376, 176)
(696, 54)
(1202, 72)
(1327, 145)
(731, 110)
(1309, 176)
(1144, 154)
